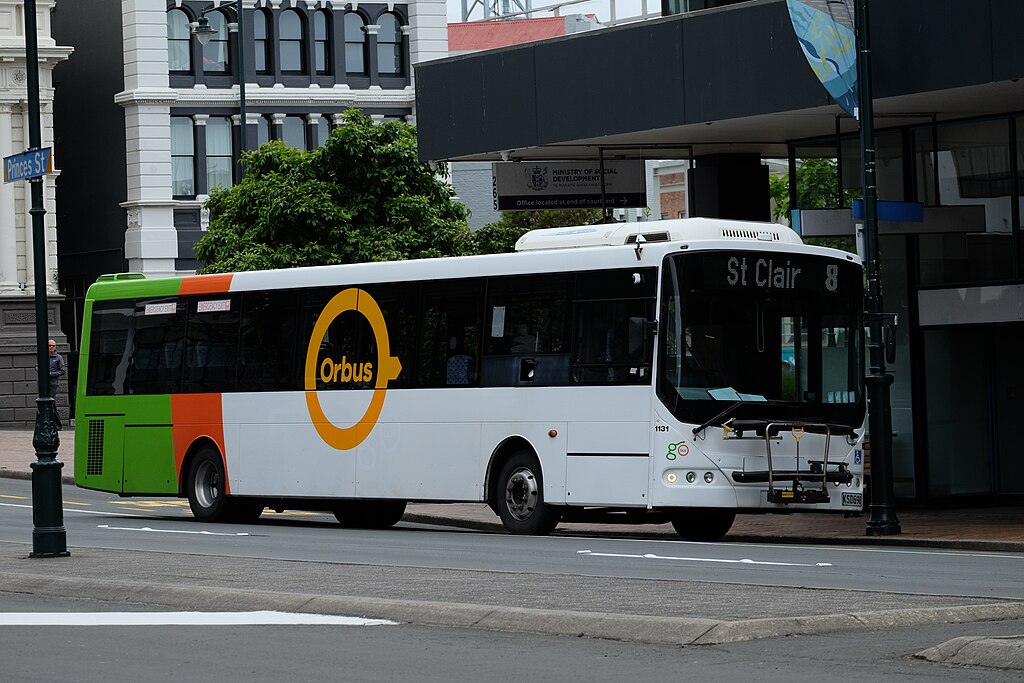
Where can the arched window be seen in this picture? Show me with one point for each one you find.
(389, 45)
(261, 37)
(262, 131)
(293, 131)
(293, 42)
(215, 53)
(179, 41)
(355, 44)
(322, 42)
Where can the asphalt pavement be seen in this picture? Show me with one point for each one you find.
(996, 529)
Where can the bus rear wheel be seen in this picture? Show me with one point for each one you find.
(520, 497)
(369, 514)
(702, 525)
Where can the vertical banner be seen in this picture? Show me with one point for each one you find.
(825, 31)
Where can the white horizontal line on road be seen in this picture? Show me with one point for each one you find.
(652, 556)
(169, 531)
(182, 619)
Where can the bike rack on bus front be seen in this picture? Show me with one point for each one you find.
(817, 472)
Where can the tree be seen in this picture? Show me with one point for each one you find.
(362, 196)
(817, 187)
(500, 237)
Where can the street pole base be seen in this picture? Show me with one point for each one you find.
(49, 542)
(883, 528)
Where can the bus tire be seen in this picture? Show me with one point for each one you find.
(369, 514)
(696, 524)
(206, 496)
(520, 497)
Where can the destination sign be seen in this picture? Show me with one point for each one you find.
(771, 272)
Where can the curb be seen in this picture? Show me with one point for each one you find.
(601, 625)
(496, 527)
(1000, 652)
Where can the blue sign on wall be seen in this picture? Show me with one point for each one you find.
(34, 163)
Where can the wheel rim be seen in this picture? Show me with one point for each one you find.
(521, 493)
(207, 488)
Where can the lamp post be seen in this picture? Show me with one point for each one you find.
(49, 538)
(882, 520)
(203, 33)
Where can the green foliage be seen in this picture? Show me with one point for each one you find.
(501, 237)
(363, 196)
(817, 186)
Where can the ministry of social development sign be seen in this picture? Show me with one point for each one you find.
(523, 186)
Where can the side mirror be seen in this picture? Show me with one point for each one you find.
(639, 338)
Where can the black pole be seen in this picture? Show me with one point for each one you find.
(882, 520)
(244, 135)
(48, 536)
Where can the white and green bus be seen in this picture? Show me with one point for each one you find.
(682, 371)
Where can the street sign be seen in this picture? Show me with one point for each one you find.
(534, 186)
(35, 163)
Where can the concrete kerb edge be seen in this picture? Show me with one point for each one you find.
(601, 625)
(1001, 652)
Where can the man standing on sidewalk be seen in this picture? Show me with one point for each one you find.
(57, 370)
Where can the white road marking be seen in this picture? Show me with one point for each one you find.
(168, 531)
(652, 556)
(182, 619)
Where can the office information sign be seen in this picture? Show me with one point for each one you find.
(35, 163)
(535, 186)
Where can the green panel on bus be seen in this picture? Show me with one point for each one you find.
(133, 289)
(127, 446)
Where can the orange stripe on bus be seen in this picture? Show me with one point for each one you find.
(205, 284)
(195, 416)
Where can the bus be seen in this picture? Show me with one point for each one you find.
(676, 371)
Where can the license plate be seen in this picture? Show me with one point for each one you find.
(853, 499)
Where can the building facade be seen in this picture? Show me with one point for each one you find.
(18, 388)
(736, 90)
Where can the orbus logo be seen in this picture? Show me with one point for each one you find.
(331, 370)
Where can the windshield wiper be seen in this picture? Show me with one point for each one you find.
(716, 418)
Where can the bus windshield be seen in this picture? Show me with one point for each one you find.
(781, 333)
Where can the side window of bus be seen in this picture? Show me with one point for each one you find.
(398, 303)
(267, 344)
(526, 333)
(337, 366)
(604, 303)
(110, 348)
(159, 346)
(211, 343)
(451, 322)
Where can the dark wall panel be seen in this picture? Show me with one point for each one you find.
(90, 139)
(1007, 45)
(930, 45)
(472, 104)
(746, 61)
(610, 82)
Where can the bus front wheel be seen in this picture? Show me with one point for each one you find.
(520, 495)
(206, 496)
(702, 525)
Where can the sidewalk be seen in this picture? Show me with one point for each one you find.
(993, 529)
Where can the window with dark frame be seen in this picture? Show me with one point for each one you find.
(321, 42)
(183, 162)
(219, 159)
(211, 344)
(216, 57)
(179, 41)
(292, 42)
(261, 39)
(389, 45)
(355, 44)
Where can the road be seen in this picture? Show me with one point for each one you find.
(236, 652)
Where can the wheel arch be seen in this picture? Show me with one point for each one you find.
(501, 453)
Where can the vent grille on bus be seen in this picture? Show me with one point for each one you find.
(743, 234)
(650, 237)
(94, 461)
